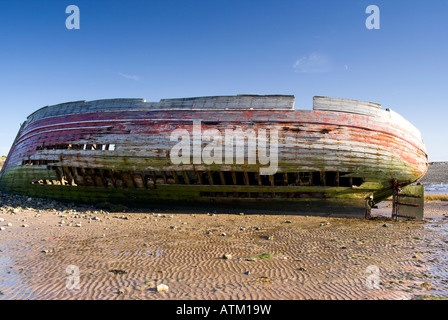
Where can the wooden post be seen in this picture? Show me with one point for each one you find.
(395, 191)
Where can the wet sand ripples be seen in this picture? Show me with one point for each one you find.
(272, 257)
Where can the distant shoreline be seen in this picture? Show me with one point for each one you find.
(437, 173)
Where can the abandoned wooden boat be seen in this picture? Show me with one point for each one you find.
(340, 158)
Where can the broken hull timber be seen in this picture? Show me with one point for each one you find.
(331, 160)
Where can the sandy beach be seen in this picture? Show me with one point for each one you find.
(51, 250)
(126, 255)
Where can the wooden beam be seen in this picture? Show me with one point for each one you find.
(234, 180)
(260, 183)
(174, 174)
(323, 178)
(271, 179)
(198, 176)
(223, 179)
(102, 177)
(246, 178)
(164, 177)
(210, 178)
(186, 177)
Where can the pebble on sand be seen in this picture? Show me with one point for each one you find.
(162, 288)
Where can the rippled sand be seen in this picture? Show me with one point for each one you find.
(126, 255)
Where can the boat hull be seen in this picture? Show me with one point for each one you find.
(330, 162)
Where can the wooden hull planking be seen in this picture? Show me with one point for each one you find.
(331, 160)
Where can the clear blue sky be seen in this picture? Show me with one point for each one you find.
(178, 48)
